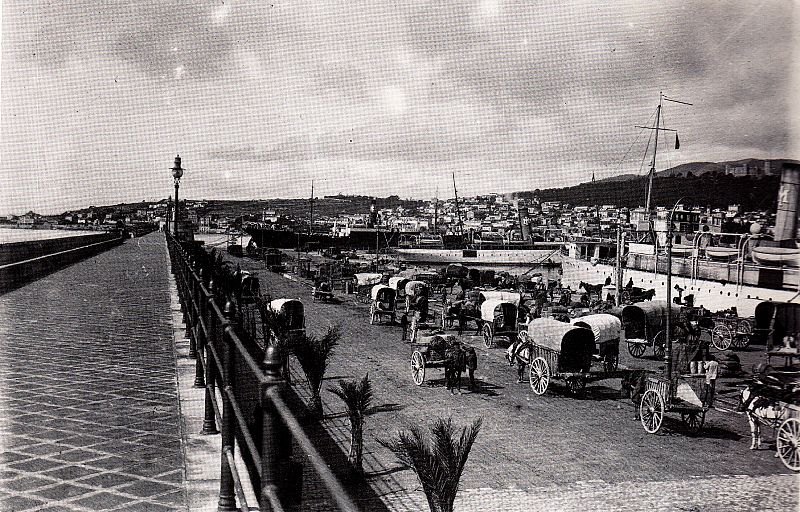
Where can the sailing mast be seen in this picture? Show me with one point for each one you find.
(458, 210)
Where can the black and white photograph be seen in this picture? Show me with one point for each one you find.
(366, 255)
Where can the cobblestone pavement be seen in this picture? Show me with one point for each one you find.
(551, 452)
(89, 415)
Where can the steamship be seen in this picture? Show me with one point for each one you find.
(720, 270)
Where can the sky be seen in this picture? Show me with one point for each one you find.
(378, 97)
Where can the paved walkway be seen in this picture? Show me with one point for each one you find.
(89, 414)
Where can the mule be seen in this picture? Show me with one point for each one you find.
(760, 409)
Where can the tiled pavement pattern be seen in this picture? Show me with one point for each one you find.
(89, 415)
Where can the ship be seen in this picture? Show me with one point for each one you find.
(720, 270)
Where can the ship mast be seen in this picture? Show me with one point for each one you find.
(658, 128)
(458, 210)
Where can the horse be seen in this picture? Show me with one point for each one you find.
(759, 402)
(591, 288)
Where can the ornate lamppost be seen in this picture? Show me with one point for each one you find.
(177, 172)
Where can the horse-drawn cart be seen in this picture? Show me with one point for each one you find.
(499, 319)
(683, 395)
(383, 303)
(556, 349)
(645, 326)
(429, 352)
(607, 330)
(363, 285)
(322, 291)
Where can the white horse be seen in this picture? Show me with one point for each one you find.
(760, 409)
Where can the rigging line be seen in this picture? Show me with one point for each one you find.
(666, 149)
(644, 155)
(619, 164)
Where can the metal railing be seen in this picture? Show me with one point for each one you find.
(254, 412)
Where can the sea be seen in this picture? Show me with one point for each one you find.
(11, 235)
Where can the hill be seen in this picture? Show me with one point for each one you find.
(709, 189)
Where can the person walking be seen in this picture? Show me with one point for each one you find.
(459, 365)
(449, 368)
(472, 365)
(404, 326)
(711, 370)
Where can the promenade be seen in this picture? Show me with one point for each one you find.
(89, 414)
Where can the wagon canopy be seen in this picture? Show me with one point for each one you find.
(398, 283)
(652, 313)
(505, 295)
(576, 344)
(493, 308)
(290, 309)
(416, 288)
(368, 278)
(605, 327)
(383, 293)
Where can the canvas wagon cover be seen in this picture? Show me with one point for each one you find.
(506, 295)
(415, 288)
(368, 278)
(398, 283)
(293, 308)
(383, 293)
(488, 308)
(550, 333)
(604, 326)
(654, 312)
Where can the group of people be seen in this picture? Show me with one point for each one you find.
(458, 360)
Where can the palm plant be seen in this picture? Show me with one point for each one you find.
(275, 329)
(313, 353)
(357, 396)
(438, 463)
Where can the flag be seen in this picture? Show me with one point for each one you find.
(677, 142)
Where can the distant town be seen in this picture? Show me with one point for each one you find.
(588, 209)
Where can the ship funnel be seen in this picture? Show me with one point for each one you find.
(788, 197)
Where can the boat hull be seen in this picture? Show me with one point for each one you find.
(713, 295)
(494, 257)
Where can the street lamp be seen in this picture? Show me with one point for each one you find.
(669, 286)
(177, 172)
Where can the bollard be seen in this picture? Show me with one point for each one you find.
(276, 442)
(209, 419)
(227, 498)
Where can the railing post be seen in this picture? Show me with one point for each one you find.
(209, 419)
(199, 333)
(276, 442)
(227, 498)
(192, 312)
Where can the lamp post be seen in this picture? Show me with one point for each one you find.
(669, 287)
(177, 172)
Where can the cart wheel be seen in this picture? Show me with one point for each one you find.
(539, 375)
(744, 327)
(488, 339)
(660, 345)
(721, 337)
(787, 442)
(576, 385)
(651, 411)
(418, 368)
(636, 349)
(610, 364)
(693, 420)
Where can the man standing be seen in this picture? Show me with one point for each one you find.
(711, 367)
(450, 367)
(459, 365)
(404, 326)
(472, 365)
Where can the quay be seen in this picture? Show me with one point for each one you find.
(98, 412)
